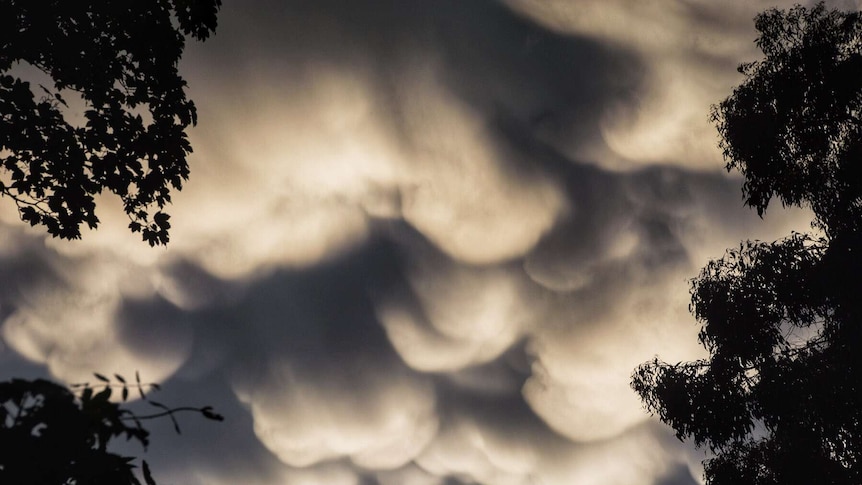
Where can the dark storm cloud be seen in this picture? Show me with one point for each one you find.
(516, 73)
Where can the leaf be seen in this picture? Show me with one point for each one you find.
(125, 393)
(148, 477)
(161, 219)
(120, 378)
(140, 388)
(208, 413)
(60, 99)
(104, 395)
(101, 377)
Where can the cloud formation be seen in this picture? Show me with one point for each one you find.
(423, 243)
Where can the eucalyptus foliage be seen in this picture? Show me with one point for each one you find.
(779, 399)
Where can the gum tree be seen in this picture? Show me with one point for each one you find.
(779, 399)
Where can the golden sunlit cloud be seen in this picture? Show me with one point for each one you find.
(690, 48)
(71, 322)
(376, 417)
(460, 195)
(465, 449)
(639, 457)
(585, 354)
(462, 316)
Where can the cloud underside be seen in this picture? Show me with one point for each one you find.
(423, 243)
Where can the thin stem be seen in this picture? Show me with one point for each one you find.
(164, 413)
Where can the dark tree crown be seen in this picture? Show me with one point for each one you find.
(793, 128)
(120, 58)
(51, 435)
(779, 400)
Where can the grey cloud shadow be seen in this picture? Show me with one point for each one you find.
(318, 318)
(315, 318)
(504, 66)
(680, 475)
(653, 203)
(225, 449)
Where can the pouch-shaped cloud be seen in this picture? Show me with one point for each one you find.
(279, 180)
(691, 50)
(378, 416)
(472, 454)
(585, 354)
(460, 194)
(409, 475)
(644, 455)
(623, 290)
(69, 316)
(312, 171)
(457, 316)
(476, 446)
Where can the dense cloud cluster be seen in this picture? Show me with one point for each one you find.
(423, 243)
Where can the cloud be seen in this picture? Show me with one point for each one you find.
(582, 363)
(460, 196)
(449, 317)
(651, 456)
(423, 243)
(313, 369)
(377, 418)
(330, 474)
(76, 316)
(411, 475)
(690, 50)
(622, 289)
(500, 441)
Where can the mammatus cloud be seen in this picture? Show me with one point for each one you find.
(77, 316)
(449, 317)
(460, 196)
(423, 243)
(378, 418)
(691, 50)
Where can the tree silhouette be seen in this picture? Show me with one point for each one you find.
(779, 400)
(51, 435)
(119, 59)
(117, 62)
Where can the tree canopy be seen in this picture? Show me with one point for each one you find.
(117, 62)
(119, 59)
(778, 401)
(794, 127)
(50, 435)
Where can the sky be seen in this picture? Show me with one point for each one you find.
(424, 242)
